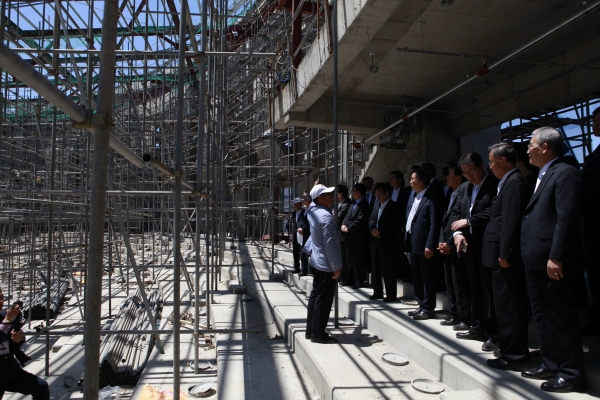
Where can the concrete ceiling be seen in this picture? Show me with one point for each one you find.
(492, 28)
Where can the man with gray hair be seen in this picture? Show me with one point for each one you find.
(502, 256)
(550, 248)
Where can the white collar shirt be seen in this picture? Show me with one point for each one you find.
(395, 193)
(413, 210)
(476, 189)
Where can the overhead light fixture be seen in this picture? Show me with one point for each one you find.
(373, 68)
(446, 3)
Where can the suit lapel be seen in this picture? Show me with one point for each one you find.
(481, 191)
(469, 193)
(542, 184)
(420, 205)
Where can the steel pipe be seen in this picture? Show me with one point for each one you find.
(162, 168)
(23, 71)
(141, 52)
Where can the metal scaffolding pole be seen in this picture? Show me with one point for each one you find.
(177, 204)
(104, 107)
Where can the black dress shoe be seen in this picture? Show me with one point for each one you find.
(307, 336)
(470, 336)
(324, 340)
(390, 299)
(489, 345)
(296, 271)
(561, 385)
(538, 373)
(375, 297)
(508, 364)
(356, 286)
(461, 327)
(423, 315)
(344, 284)
(413, 312)
(302, 274)
(450, 322)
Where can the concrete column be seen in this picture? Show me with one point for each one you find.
(431, 142)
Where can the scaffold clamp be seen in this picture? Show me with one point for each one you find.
(94, 121)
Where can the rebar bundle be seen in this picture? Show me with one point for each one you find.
(123, 357)
(38, 303)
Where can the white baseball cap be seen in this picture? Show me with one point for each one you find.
(297, 200)
(318, 190)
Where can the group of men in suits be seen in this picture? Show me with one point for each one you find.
(509, 247)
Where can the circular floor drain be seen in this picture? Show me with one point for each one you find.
(395, 359)
(427, 386)
(201, 390)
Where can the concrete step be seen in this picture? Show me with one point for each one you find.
(457, 363)
(348, 370)
(254, 365)
(461, 365)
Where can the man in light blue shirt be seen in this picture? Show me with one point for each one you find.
(325, 263)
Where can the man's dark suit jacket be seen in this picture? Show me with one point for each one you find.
(480, 214)
(591, 191)
(402, 204)
(446, 232)
(502, 236)
(437, 189)
(357, 220)
(388, 224)
(425, 224)
(447, 198)
(343, 208)
(550, 228)
(304, 225)
(372, 202)
(295, 225)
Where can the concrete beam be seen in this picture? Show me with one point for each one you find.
(537, 88)
(358, 23)
(355, 118)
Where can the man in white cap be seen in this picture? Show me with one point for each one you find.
(325, 263)
(297, 239)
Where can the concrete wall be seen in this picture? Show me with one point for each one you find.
(432, 143)
(479, 142)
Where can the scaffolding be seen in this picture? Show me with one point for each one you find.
(129, 126)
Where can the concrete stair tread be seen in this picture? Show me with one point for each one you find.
(461, 365)
(435, 347)
(254, 365)
(347, 370)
